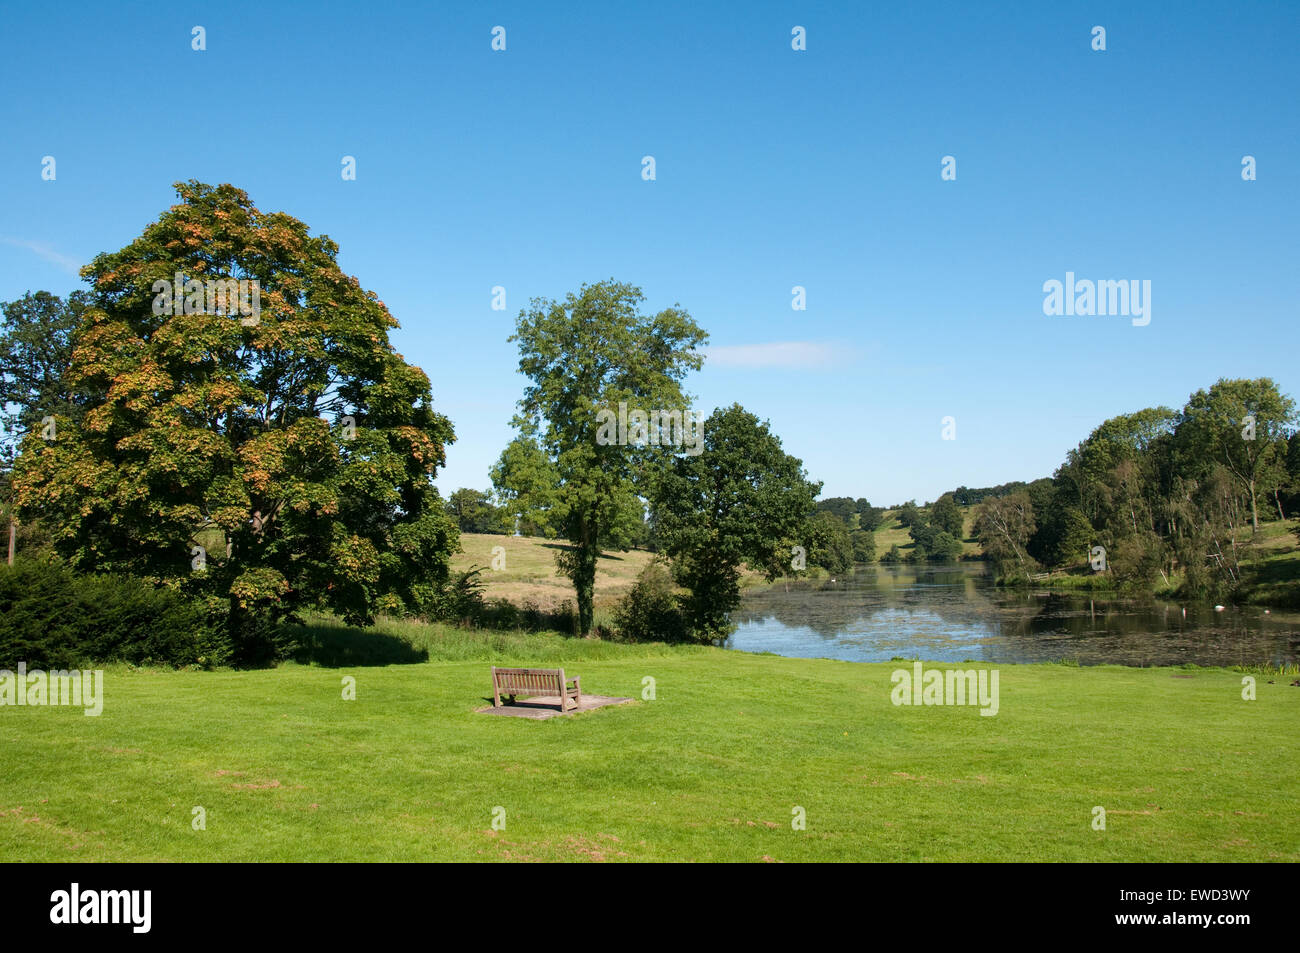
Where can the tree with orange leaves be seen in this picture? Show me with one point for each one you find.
(264, 465)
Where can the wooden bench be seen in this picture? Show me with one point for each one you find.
(535, 681)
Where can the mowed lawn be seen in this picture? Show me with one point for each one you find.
(711, 769)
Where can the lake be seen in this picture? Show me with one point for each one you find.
(951, 613)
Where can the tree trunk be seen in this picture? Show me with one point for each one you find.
(584, 575)
(1254, 514)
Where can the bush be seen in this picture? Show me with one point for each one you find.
(649, 612)
(459, 600)
(1135, 562)
(54, 618)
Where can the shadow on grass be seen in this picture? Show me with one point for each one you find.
(568, 546)
(335, 646)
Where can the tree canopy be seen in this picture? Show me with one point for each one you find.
(593, 355)
(265, 464)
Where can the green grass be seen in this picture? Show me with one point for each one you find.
(709, 770)
(1273, 576)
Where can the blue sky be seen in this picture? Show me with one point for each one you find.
(774, 168)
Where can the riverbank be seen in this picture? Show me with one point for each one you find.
(1271, 570)
(716, 765)
(1270, 575)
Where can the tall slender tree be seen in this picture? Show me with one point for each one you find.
(585, 356)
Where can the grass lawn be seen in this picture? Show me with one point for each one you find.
(709, 770)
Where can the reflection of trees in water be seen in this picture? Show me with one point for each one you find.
(953, 595)
(917, 605)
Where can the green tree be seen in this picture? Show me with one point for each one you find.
(830, 545)
(1073, 538)
(37, 336)
(474, 513)
(864, 545)
(1240, 425)
(743, 500)
(585, 356)
(934, 544)
(527, 485)
(840, 506)
(946, 516)
(297, 447)
(869, 517)
(909, 514)
(1003, 525)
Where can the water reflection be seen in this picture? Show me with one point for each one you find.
(953, 613)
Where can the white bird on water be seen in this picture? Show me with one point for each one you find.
(1218, 608)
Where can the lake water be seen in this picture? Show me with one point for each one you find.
(953, 613)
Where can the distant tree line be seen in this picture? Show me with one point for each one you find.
(965, 496)
(1158, 495)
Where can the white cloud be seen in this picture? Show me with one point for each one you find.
(45, 251)
(792, 354)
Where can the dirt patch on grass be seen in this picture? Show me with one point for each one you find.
(77, 839)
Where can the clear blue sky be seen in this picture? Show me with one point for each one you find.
(775, 168)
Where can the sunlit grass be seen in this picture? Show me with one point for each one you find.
(711, 769)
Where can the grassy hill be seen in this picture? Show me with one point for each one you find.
(891, 533)
(529, 572)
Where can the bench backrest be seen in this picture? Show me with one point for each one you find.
(512, 681)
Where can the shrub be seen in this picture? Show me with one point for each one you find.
(460, 599)
(53, 617)
(649, 612)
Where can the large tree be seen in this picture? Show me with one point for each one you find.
(585, 356)
(1004, 525)
(1241, 425)
(264, 462)
(743, 500)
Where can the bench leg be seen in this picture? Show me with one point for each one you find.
(577, 692)
(496, 695)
